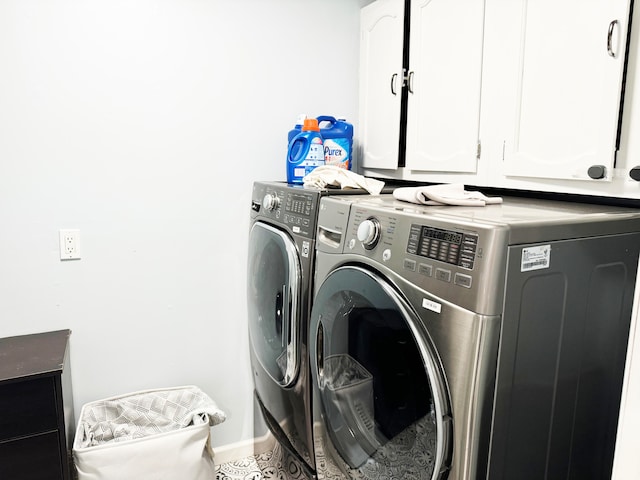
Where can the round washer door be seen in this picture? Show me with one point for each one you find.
(378, 380)
(273, 287)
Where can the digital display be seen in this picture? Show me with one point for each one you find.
(298, 198)
(445, 235)
(446, 246)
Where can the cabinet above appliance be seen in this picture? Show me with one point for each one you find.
(539, 96)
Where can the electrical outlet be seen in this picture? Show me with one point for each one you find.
(70, 244)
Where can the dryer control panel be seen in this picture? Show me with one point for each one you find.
(286, 205)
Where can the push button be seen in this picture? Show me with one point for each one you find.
(426, 270)
(462, 280)
(443, 275)
(409, 265)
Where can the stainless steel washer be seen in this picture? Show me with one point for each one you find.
(470, 342)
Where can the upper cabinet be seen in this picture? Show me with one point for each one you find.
(557, 68)
(381, 83)
(444, 80)
(517, 94)
(434, 96)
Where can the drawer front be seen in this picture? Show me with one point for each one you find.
(27, 407)
(31, 458)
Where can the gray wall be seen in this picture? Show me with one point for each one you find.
(143, 124)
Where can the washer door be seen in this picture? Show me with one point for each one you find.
(273, 288)
(379, 384)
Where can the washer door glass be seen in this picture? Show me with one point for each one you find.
(273, 287)
(382, 394)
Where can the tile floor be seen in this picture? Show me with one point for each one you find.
(275, 464)
(410, 455)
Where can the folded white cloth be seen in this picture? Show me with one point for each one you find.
(446, 194)
(336, 176)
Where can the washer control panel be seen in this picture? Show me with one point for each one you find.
(452, 257)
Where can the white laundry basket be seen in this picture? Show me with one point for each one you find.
(161, 434)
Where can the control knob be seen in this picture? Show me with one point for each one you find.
(369, 233)
(270, 202)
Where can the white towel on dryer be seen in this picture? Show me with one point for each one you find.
(321, 177)
(445, 194)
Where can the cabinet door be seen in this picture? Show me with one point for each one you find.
(381, 78)
(562, 86)
(445, 59)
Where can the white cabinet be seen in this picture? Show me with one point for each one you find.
(555, 69)
(444, 81)
(510, 94)
(381, 81)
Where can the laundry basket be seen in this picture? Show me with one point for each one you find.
(161, 434)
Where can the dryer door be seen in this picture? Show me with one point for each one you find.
(273, 288)
(378, 382)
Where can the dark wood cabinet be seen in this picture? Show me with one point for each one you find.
(36, 407)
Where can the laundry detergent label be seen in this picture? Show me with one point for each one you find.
(315, 153)
(336, 152)
(313, 159)
(535, 258)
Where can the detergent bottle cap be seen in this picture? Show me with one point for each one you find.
(310, 125)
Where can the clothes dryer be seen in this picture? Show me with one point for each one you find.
(281, 255)
(468, 343)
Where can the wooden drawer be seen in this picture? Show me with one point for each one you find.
(31, 458)
(28, 407)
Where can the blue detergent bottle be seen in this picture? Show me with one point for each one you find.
(306, 152)
(338, 141)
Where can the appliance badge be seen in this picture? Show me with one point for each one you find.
(431, 305)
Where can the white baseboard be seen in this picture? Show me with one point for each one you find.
(246, 448)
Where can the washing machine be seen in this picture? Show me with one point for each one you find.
(281, 255)
(469, 343)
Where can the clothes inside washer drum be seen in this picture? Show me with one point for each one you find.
(381, 342)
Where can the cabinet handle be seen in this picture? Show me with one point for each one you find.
(410, 82)
(597, 172)
(393, 83)
(634, 173)
(610, 51)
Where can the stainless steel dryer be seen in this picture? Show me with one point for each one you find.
(470, 343)
(281, 256)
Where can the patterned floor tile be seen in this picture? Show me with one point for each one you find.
(275, 464)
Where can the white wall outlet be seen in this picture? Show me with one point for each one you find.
(70, 244)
